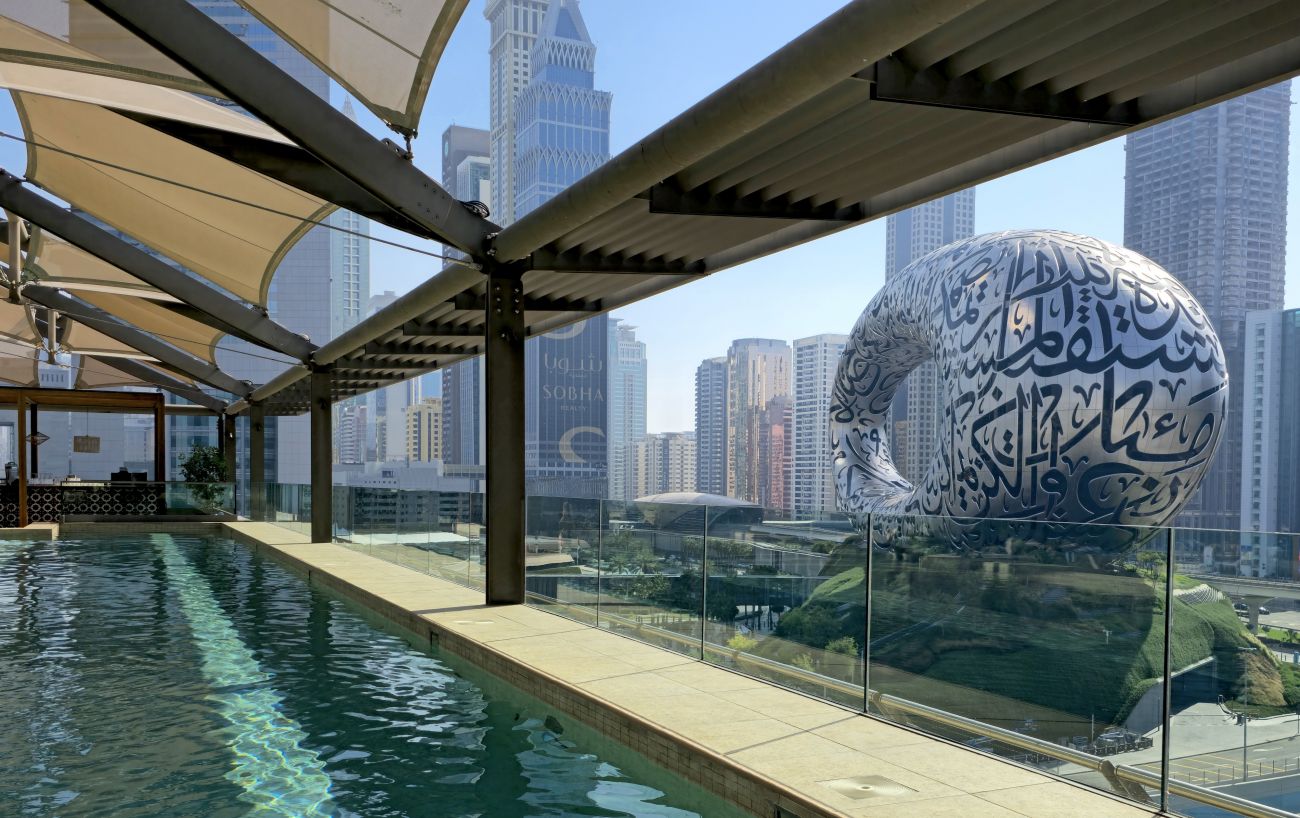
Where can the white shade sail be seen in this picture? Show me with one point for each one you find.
(383, 51)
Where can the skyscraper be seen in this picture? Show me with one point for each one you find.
(917, 413)
(627, 405)
(467, 174)
(1270, 456)
(514, 25)
(560, 133)
(711, 426)
(1205, 198)
(773, 457)
(424, 431)
(816, 360)
(758, 371)
(663, 462)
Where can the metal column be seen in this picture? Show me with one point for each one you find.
(226, 432)
(34, 429)
(504, 416)
(322, 457)
(160, 441)
(257, 460)
(21, 445)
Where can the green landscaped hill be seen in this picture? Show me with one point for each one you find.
(1088, 643)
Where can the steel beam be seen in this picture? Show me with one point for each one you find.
(213, 307)
(409, 350)
(167, 355)
(162, 380)
(666, 197)
(469, 302)
(287, 163)
(220, 59)
(322, 456)
(893, 80)
(257, 460)
(574, 262)
(422, 329)
(504, 398)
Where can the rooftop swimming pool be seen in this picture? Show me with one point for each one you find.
(167, 675)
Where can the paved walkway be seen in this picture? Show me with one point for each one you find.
(748, 741)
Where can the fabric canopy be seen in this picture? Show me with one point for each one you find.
(220, 220)
(224, 222)
(383, 51)
(18, 363)
(58, 263)
(81, 38)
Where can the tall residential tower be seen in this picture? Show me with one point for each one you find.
(816, 360)
(1205, 198)
(918, 408)
(711, 426)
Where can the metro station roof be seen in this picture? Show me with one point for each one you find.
(884, 105)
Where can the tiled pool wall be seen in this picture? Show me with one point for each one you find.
(636, 740)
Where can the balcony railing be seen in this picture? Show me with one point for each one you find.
(1068, 648)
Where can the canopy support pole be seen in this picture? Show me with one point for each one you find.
(322, 456)
(148, 374)
(504, 422)
(35, 429)
(216, 56)
(257, 460)
(210, 305)
(22, 460)
(160, 440)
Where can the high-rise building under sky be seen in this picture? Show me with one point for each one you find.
(758, 372)
(917, 413)
(466, 173)
(711, 426)
(513, 25)
(627, 406)
(1270, 454)
(816, 360)
(1205, 198)
(550, 127)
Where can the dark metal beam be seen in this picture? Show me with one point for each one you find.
(287, 163)
(162, 380)
(422, 329)
(220, 59)
(477, 303)
(209, 305)
(893, 80)
(668, 198)
(411, 362)
(226, 428)
(167, 355)
(504, 392)
(410, 349)
(322, 456)
(572, 262)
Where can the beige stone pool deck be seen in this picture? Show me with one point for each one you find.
(766, 749)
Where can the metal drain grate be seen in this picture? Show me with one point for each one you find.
(867, 786)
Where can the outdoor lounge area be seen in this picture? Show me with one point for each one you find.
(331, 614)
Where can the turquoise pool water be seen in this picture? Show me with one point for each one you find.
(186, 676)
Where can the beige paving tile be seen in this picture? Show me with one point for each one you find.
(954, 806)
(805, 762)
(773, 701)
(709, 679)
(730, 736)
(635, 684)
(868, 735)
(967, 771)
(1057, 799)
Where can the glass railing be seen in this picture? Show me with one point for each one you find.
(1068, 648)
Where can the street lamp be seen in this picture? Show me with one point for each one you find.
(1245, 715)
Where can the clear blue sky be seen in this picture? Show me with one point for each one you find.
(658, 58)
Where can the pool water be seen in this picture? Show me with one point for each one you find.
(163, 675)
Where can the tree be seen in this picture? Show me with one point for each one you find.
(846, 645)
(205, 469)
